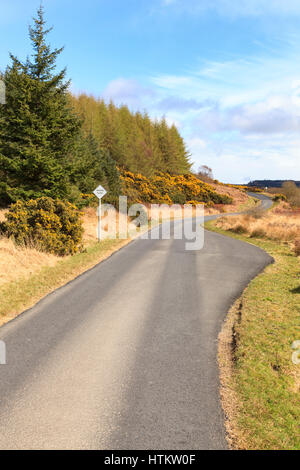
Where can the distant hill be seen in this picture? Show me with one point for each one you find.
(270, 183)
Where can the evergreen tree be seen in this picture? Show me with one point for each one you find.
(180, 154)
(112, 177)
(86, 170)
(92, 166)
(38, 129)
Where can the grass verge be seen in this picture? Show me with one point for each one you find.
(23, 293)
(260, 385)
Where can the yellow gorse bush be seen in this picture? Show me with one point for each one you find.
(165, 188)
(48, 224)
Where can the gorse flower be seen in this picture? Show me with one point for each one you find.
(47, 224)
(165, 188)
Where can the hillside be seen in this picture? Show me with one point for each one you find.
(166, 188)
(270, 183)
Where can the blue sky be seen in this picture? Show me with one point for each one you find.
(227, 72)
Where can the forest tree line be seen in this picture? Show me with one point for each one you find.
(133, 140)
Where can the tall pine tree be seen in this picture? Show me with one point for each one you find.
(38, 129)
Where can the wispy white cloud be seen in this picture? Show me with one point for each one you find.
(127, 91)
(275, 115)
(239, 80)
(178, 104)
(251, 158)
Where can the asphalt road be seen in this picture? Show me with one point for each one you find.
(266, 202)
(124, 357)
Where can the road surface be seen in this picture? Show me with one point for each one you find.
(265, 203)
(124, 357)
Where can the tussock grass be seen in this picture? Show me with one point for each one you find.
(16, 262)
(260, 384)
(271, 225)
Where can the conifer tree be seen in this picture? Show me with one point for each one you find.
(92, 166)
(86, 166)
(180, 153)
(38, 129)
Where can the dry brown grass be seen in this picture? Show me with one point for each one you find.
(90, 224)
(21, 262)
(277, 224)
(284, 208)
(2, 215)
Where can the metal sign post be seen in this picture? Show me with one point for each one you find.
(99, 193)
